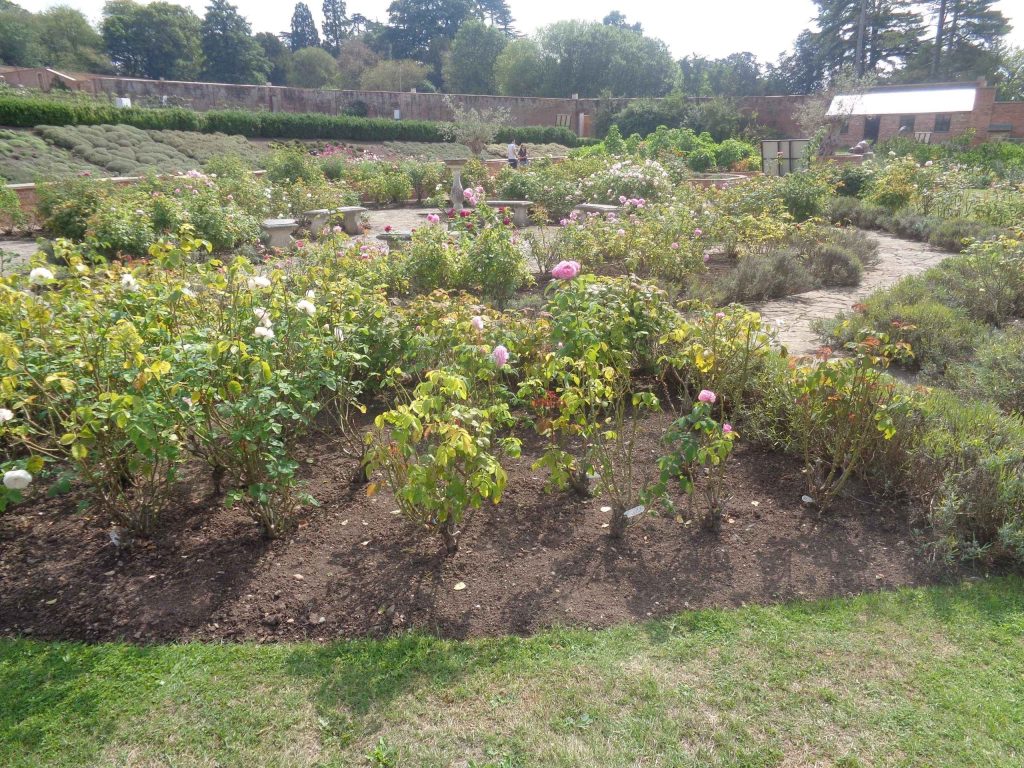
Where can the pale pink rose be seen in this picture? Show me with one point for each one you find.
(726, 428)
(675, 246)
(433, 218)
(477, 322)
(698, 232)
(500, 355)
(566, 270)
(707, 396)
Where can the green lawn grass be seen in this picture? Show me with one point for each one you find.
(923, 677)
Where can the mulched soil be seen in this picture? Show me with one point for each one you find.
(354, 568)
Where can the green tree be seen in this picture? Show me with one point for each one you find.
(303, 34)
(158, 40)
(415, 25)
(496, 12)
(230, 53)
(394, 75)
(590, 58)
(1009, 77)
(469, 64)
(618, 19)
(519, 69)
(968, 37)
(738, 74)
(69, 42)
(19, 36)
(354, 58)
(891, 33)
(336, 25)
(278, 55)
(312, 68)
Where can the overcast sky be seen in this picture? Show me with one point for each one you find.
(712, 29)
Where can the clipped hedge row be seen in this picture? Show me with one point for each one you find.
(538, 134)
(29, 111)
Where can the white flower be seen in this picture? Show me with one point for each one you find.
(339, 333)
(311, 294)
(17, 479)
(263, 315)
(264, 333)
(6, 414)
(307, 307)
(259, 281)
(128, 282)
(40, 275)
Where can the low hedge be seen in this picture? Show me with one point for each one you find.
(31, 111)
(538, 134)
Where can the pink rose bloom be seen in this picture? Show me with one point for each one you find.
(622, 200)
(726, 428)
(564, 223)
(500, 355)
(300, 243)
(707, 396)
(719, 315)
(463, 213)
(698, 232)
(566, 270)
(621, 232)
(477, 322)
(433, 218)
(336, 229)
(675, 246)
(707, 257)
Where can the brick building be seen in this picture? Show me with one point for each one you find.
(929, 113)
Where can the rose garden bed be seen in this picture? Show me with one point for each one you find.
(354, 568)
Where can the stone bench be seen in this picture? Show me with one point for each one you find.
(352, 214)
(598, 208)
(317, 219)
(520, 210)
(395, 238)
(279, 232)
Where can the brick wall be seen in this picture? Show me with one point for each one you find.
(1011, 112)
(775, 112)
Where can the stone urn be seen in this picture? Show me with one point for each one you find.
(458, 198)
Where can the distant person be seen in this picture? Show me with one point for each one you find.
(523, 159)
(513, 154)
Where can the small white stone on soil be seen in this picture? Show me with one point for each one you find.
(459, 586)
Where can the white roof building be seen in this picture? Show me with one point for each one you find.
(905, 101)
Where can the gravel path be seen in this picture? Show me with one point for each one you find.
(21, 249)
(896, 258)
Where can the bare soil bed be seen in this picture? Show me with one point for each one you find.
(355, 568)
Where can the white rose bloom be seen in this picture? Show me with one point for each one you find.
(263, 315)
(339, 333)
(264, 333)
(40, 275)
(258, 282)
(129, 283)
(307, 307)
(311, 294)
(17, 479)
(6, 414)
